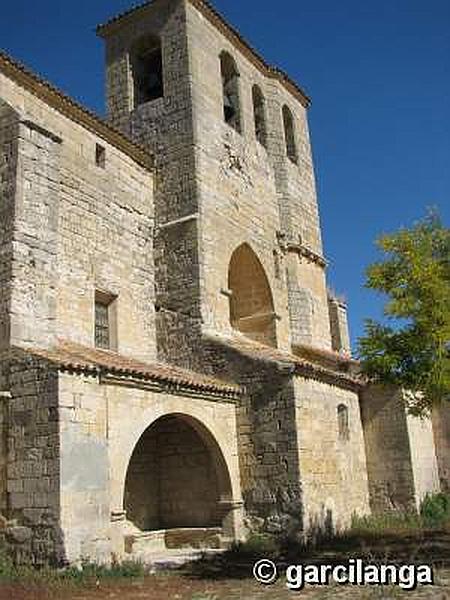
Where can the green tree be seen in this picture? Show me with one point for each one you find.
(412, 349)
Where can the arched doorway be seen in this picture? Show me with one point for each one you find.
(251, 306)
(177, 478)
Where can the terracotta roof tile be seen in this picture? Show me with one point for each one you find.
(300, 366)
(76, 357)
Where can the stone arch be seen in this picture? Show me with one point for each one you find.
(252, 309)
(178, 478)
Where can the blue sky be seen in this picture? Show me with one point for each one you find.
(379, 77)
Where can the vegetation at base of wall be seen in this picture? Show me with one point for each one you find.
(86, 574)
(435, 510)
(386, 523)
(434, 514)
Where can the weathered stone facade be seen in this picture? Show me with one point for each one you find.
(173, 372)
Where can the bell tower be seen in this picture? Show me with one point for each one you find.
(149, 98)
(234, 170)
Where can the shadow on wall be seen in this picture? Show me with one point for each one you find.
(321, 526)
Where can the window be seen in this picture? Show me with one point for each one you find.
(259, 113)
(230, 88)
(289, 135)
(147, 68)
(100, 156)
(105, 337)
(343, 422)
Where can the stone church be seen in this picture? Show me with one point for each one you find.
(173, 372)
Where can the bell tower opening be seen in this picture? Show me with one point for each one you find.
(147, 69)
(230, 85)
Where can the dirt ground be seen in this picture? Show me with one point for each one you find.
(185, 587)
(230, 577)
(175, 587)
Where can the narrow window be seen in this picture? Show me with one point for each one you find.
(105, 321)
(147, 69)
(100, 156)
(230, 88)
(259, 113)
(343, 422)
(289, 135)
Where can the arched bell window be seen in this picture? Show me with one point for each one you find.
(230, 89)
(147, 70)
(259, 114)
(289, 135)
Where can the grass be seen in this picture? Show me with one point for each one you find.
(405, 536)
(87, 574)
(434, 514)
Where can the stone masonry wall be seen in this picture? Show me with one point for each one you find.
(35, 261)
(389, 461)
(423, 457)
(216, 188)
(334, 471)
(236, 182)
(165, 127)
(79, 227)
(8, 173)
(340, 337)
(33, 467)
(171, 481)
(101, 424)
(403, 452)
(267, 440)
(247, 193)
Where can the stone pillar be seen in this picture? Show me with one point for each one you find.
(300, 308)
(340, 336)
(401, 458)
(35, 269)
(9, 131)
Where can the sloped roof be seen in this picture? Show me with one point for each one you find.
(69, 356)
(300, 366)
(68, 107)
(209, 12)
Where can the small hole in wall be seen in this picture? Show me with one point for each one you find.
(280, 425)
(277, 263)
(286, 465)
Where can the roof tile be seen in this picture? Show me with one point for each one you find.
(77, 357)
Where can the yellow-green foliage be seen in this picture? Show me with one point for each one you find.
(412, 349)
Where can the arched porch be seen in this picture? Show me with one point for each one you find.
(178, 492)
